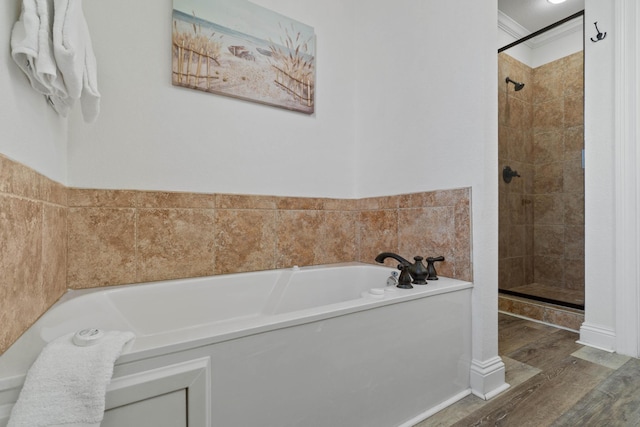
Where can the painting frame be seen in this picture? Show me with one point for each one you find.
(238, 49)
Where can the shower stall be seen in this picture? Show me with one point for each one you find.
(541, 176)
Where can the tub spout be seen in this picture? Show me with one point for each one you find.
(404, 281)
(417, 270)
(384, 255)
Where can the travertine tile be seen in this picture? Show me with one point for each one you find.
(573, 77)
(511, 272)
(300, 203)
(21, 267)
(548, 269)
(532, 311)
(516, 242)
(239, 201)
(574, 277)
(427, 232)
(516, 209)
(378, 232)
(574, 242)
(563, 318)
(374, 203)
(174, 243)
(52, 192)
(548, 116)
(298, 233)
(573, 178)
(339, 239)
(548, 240)
(548, 82)
(548, 146)
(549, 208)
(503, 107)
(19, 180)
(503, 240)
(549, 178)
(517, 112)
(160, 199)
(574, 209)
(79, 197)
(550, 169)
(344, 205)
(463, 231)
(573, 139)
(520, 148)
(245, 240)
(54, 253)
(573, 111)
(101, 247)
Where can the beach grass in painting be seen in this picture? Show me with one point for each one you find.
(238, 49)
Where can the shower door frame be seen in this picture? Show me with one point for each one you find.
(500, 50)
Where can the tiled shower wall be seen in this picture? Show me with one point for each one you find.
(515, 149)
(541, 135)
(54, 238)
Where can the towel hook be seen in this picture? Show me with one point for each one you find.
(600, 35)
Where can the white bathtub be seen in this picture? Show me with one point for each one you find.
(316, 346)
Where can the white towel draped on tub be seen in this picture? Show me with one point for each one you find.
(51, 44)
(66, 385)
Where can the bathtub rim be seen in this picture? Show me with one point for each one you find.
(14, 364)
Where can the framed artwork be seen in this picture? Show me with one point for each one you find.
(239, 49)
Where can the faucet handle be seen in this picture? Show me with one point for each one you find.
(418, 271)
(404, 282)
(432, 274)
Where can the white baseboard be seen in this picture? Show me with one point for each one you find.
(597, 337)
(487, 378)
(426, 414)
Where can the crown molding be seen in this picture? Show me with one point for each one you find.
(517, 31)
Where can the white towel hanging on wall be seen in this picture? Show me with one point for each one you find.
(74, 56)
(51, 44)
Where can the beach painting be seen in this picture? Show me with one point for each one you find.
(239, 49)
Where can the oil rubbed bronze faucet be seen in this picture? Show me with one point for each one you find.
(417, 270)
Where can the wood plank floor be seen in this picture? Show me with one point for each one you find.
(554, 382)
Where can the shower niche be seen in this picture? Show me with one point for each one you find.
(541, 136)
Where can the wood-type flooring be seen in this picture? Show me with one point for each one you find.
(554, 382)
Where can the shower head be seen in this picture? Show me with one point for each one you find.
(518, 86)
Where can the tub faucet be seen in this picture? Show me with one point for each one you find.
(431, 270)
(417, 270)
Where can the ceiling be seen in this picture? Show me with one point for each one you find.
(537, 14)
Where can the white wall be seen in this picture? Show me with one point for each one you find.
(599, 326)
(153, 136)
(422, 91)
(426, 110)
(30, 131)
(559, 48)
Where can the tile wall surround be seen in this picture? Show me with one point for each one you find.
(541, 136)
(55, 238)
(33, 247)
